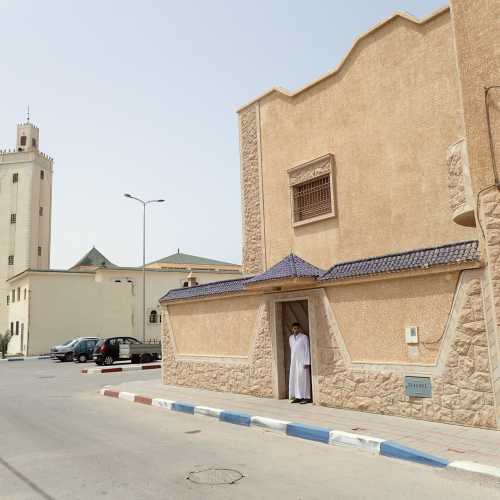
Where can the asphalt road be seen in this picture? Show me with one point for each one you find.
(60, 440)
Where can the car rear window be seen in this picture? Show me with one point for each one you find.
(99, 344)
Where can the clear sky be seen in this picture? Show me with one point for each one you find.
(140, 97)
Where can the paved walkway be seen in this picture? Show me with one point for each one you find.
(448, 441)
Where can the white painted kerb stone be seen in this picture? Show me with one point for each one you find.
(166, 404)
(269, 423)
(488, 470)
(207, 411)
(368, 443)
(128, 396)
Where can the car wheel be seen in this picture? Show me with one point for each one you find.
(145, 358)
(108, 360)
(98, 363)
(82, 358)
(68, 356)
(135, 359)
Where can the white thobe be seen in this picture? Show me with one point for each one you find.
(299, 386)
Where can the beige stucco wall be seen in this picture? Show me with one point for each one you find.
(215, 328)
(62, 306)
(158, 283)
(234, 353)
(372, 317)
(388, 116)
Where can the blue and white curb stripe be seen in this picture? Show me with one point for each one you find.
(373, 445)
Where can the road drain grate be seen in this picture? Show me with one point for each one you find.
(215, 476)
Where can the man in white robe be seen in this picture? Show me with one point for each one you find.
(299, 388)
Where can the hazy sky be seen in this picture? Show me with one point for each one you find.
(141, 97)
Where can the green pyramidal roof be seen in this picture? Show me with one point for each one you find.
(94, 258)
(184, 258)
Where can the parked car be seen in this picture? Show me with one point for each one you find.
(64, 352)
(83, 350)
(107, 351)
(141, 353)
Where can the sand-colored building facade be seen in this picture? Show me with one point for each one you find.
(96, 298)
(370, 215)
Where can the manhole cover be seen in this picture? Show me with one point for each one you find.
(215, 476)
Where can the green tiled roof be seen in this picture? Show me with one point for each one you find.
(184, 258)
(94, 258)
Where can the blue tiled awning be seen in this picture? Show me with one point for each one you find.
(214, 288)
(454, 253)
(292, 267)
(288, 268)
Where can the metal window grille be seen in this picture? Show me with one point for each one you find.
(39, 251)
(40, 211)
(15, 178)
(312, 199)
(13, 218)
(11, 260)
(42, 175)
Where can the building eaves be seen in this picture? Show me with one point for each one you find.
(454, 253)
(290, 267)
(205, 290)
(186, 259)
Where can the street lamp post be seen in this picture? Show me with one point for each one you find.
(144, 203)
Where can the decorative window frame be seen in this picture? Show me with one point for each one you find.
(305, 172)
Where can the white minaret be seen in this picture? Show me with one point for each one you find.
(25, 211)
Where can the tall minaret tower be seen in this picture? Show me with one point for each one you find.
(25, 210)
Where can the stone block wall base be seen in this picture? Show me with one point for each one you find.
(461, 394)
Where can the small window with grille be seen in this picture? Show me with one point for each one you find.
(11, 260)
(39, 251)
(42, 174)
(15, 178)
(13, 218)
(40, 211)
(312, 199)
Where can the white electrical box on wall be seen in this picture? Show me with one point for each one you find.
(411, 334)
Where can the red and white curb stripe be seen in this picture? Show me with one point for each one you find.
(373, 445)
(126, 368)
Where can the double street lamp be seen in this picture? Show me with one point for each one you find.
(144, 203)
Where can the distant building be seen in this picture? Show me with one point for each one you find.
(40, 306)
(25, 211)
(371, 215)
(96, 298)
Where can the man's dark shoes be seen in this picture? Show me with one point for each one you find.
(304, 401)
(295, 400)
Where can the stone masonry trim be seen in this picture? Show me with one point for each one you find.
(251, 195)
(458, 178)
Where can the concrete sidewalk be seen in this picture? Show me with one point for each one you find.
(444, 440)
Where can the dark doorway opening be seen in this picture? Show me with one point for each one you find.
(289, 312)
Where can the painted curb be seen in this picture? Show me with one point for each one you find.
(310, 432)
(29, 358)
(486, 470)
(116, 369)
(234, 417)
(382, 447)
(397, 450)
(207, 411)
(270, 423)
(368, 443)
